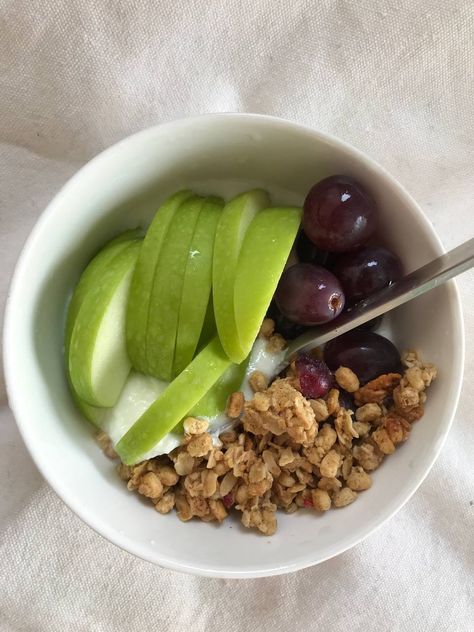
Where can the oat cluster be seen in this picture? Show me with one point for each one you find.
(287, 452)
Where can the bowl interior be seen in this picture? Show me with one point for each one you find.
(122, 188)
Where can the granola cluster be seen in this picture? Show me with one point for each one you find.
(287, 452)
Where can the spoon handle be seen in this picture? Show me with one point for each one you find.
(408, 287)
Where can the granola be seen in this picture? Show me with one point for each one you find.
(285, 452)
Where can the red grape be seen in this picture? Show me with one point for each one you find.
(364, 272)
(339, 214)
(368, 354)
(307, 252)
(309, 295)
(314, 376)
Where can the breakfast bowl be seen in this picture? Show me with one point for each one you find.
(121, 189)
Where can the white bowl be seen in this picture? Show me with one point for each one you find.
(122, 188)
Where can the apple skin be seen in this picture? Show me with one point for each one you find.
(95, 268)
(233, 224)
(165, 298)
(215, 400)
(265, 250)
(209, 329)
(174, 403)
(197, 284)
(142, 280)
(98, 360)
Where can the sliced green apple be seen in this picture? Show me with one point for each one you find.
(142, 281)
(98, 360)
(94, 270)
(97, 266)
(215, 400)
(179, 397)
(209, 329)
(165, 298)
(138, 393)
(233, 224)
(265, 250)
(197, 284)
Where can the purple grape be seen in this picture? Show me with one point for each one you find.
(339, 214)
(364, 272)
(368, 354)
(309, 295)
(314, 376)
(288, 329)
(307, 252)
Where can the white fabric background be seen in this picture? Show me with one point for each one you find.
(393, 77)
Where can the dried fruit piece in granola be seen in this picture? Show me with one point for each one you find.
(313, 375)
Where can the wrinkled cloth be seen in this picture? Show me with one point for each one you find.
(395, 79)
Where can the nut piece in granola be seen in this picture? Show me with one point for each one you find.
(343, 497)
(276, 344)
(397, 428)
(199, 445)
(375, 391)
(150, 486)
(320, 409)
(321, 500)
(194, 426)
(258, 381)
(330, 464)
(267, 328)
(235, 405)
(166, 503)
(358, 479)
(347, 379)
(405, 398)
(368, 413)
(344, 428)
(332, 401)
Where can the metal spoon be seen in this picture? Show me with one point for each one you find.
(408, 287)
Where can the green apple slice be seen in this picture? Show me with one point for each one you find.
(215, 400)
(142, 281)
(178, 398)
(233, 224)
(98, 360)
(95, 268)
(197, 284)
(167, 289)
(264, 252)
(138, 393)
(209, 329)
